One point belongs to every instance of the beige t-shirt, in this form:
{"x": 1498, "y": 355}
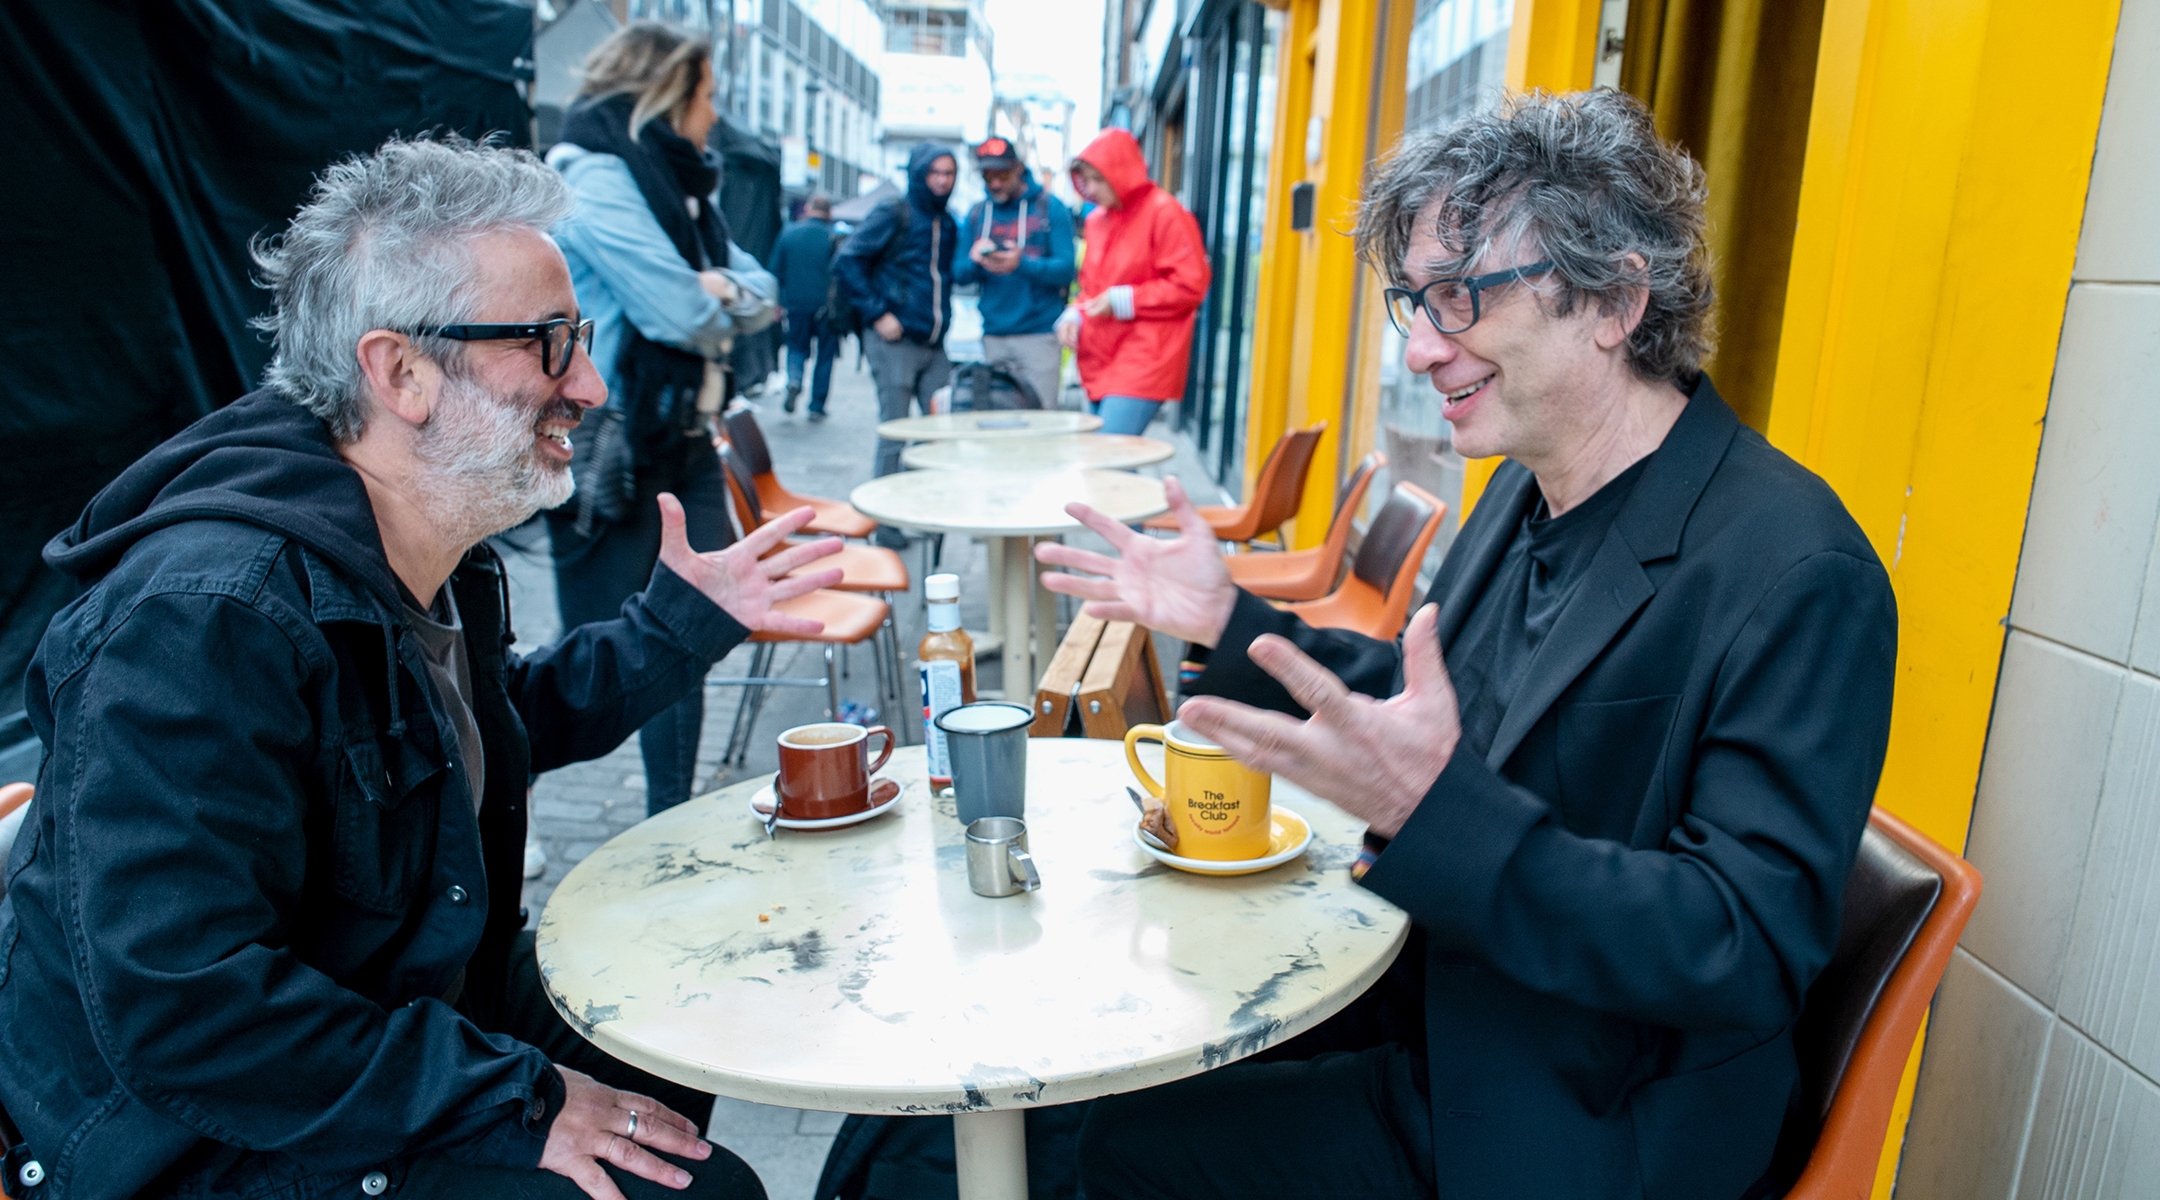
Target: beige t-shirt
{"x": 442, "y": 647}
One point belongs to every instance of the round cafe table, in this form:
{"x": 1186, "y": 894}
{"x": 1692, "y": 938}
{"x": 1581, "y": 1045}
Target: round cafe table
{"x": 1060, "y": 452}
{"x": 1001, "y": 424}
{"x": 853, "y": 970}
{"x": 1009, "y": 509}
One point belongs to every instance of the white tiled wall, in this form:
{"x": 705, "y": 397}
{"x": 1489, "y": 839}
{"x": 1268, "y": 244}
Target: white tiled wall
{"x": 2041, "y": 1079}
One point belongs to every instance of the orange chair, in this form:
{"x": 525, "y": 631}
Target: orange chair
{"x": 1906, "y": 903}
{"x": 833, "y": 516}
{"x": 849, "y": 620}
{"x": 1275, "y": 495}
{"x": 1374, "y": 598}
{"x": 1308, "y": 574}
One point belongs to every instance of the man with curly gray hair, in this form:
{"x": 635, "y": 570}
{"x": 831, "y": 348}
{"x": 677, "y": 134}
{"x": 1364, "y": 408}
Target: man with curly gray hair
{"x": 1616, "y": 769}
{"x": 262, "y": 936}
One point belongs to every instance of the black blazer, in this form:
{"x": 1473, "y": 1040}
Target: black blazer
{"x": 1624, "y": 902}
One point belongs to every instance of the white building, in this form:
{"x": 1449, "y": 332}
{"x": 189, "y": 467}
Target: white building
{"x": 939, "y": 84}
{"x": 804, "y": 75}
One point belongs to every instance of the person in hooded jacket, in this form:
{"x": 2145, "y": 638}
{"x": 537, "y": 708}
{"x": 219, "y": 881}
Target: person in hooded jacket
{"x": 668, "y": 292}
{"x": 1144, "y": 277}
{"x": 897, "y": 272}
{"x": 1020, "y": 250}
{"x": 262, "y": 935}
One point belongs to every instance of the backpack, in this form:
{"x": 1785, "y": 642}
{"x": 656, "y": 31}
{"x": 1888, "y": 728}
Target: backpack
{"x": 981, "y": 387}
{"x": 840, "y": 315}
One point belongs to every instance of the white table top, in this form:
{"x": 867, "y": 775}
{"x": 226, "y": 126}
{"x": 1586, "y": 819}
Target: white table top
{"x": 881, "y": 983}
{"x": 1106, "y": 451}
{"x": 977, "y": 426}
{"x": 1005, "y": 503}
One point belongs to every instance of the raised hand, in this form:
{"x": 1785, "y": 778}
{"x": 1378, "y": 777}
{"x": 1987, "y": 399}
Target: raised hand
{"x": 1179, "y": 587}
{"x": 739, "y": 580}
{"x": 1374, "y": 759}
{"x": 596, "y": 1125}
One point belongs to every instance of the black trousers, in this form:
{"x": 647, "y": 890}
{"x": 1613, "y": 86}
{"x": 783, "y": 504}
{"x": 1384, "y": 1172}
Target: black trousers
{"x": 594, "y": 575}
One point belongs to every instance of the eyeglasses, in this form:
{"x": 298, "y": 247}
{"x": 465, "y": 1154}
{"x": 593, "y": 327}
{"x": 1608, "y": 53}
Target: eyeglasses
{"x": 555, "y": 338}
{"x": 1452, "y": 304}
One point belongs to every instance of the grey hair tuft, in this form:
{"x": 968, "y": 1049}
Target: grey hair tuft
{"x": 384, "y": 243}
{"x": 1581, "y": 179}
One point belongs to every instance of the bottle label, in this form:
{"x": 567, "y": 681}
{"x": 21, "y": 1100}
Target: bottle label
{"x": 940, "y": 695}
{"x": 943, "y": 616}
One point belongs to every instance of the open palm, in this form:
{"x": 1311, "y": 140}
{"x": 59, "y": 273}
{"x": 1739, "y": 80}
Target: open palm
{"x": 739, "y": 580}
{"x": 1178, "y": 586}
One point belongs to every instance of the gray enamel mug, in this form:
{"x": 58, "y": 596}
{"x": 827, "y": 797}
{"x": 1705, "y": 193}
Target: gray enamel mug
{"x": 987, "y": 744}
{"x": 998, "y": 862}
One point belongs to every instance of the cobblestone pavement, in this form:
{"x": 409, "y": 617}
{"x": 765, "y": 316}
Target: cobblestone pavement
{"x": 577, "y": 808}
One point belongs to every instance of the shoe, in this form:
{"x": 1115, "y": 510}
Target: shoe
{"x": 794, "y": 390}
{"x": 815, "y": 415}
{"x": 535, "y": 856}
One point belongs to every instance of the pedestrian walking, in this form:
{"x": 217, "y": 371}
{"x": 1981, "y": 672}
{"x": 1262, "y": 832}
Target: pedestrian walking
{"x": 802, "y": 261}
{"x": 668, "y": 292}
{"x": 1020, "y": 250}
{"x": 1145, "y": 275}
{"x": 896, "y": 269}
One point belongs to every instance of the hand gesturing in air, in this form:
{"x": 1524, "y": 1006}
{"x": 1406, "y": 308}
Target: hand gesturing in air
{"x": 740, "y": 581}
{"x": 1178, "y": 586}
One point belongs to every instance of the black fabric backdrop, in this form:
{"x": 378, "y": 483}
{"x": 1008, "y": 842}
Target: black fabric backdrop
{"x": 151, "y": 140}
{"x": 750, "y": 195}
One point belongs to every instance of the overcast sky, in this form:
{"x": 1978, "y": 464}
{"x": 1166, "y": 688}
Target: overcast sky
{"x": 1058, "y": 38}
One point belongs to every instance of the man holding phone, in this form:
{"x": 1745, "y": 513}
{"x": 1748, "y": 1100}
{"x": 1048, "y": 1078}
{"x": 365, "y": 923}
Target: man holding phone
{"x": 1019, "y": 245}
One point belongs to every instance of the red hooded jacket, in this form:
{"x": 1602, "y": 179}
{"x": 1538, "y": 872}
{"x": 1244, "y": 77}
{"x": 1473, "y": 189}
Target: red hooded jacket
{"x": 1151, "y": 243}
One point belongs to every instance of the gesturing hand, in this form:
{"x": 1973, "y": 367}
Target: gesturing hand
{"x": 1097, "y": 306}
{"x": 740, "y": 581}
{"x": 599, "y": 1124}
{"x": 1372, "y": 758}
{"x": 1179, "y": 587}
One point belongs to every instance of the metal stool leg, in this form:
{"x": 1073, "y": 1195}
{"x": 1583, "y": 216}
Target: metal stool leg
{"x": 832, "y": 686}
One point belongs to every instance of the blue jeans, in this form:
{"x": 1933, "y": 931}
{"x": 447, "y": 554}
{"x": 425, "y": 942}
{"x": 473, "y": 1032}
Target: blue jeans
{"x": 805, "y": 325}
{"x": 1124, "y": 414}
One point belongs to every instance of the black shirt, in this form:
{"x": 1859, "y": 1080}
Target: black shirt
{"x": 1547, "y": 557}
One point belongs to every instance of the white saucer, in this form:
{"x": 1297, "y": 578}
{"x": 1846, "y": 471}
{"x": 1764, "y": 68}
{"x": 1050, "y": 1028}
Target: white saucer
{"x": 1291, "y": 834}
{"x": 764, "y": 797}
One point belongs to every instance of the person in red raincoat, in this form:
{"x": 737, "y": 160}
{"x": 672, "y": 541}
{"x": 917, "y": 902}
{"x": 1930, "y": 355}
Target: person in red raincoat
{"x": 1145, "y": 274}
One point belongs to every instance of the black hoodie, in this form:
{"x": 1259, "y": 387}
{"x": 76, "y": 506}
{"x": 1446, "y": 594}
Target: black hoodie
{"x": 252, "y": 873}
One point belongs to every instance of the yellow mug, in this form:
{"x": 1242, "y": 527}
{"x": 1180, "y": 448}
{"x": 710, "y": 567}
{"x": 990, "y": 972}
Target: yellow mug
{"x": 1218, "y": 805}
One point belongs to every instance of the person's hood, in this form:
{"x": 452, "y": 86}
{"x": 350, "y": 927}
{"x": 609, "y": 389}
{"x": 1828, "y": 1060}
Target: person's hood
{"x": 263, "y": 460}
{"x": 1117, "y": 155}
{"x": 918, "y": 176}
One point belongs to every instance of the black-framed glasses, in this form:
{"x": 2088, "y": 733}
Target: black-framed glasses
{"x": 1453, "y": 303}
{"x": 555, "y": 338}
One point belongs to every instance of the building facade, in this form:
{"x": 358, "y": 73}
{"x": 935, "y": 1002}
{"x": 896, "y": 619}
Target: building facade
{"x": 940, "y": 82}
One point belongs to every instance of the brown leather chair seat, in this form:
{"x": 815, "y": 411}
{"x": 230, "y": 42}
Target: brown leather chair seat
{"x": 1375, "y": 598}
{"x": 1308, "y": 574}
{"x": 833, "y": 516}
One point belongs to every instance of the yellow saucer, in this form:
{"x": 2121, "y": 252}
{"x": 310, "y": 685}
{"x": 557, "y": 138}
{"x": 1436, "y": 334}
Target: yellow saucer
{"x": 1288, "y": 835}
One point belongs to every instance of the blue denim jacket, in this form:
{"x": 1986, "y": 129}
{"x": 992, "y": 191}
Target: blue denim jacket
{"x": 253, "y": 920}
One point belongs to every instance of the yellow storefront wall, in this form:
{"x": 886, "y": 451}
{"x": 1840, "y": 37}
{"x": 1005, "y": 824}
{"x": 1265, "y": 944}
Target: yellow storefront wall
{"x": 1938, "y": 207}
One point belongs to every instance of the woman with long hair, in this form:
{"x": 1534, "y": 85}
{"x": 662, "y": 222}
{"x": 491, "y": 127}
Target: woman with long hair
{"x": 668, "y": 292}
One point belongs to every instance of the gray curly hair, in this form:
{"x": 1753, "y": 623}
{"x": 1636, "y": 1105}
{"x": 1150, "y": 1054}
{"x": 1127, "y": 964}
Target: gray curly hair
{"x": 384, "y": 243}
{"x": 1581, "y": 179}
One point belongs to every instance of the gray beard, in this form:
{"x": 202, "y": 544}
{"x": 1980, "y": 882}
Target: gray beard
{"x": 480, "y": 469}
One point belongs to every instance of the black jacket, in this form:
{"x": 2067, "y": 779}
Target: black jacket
{"x": 911, "y": 278}
{"x": 802, "y": 260}
{"x": 1624, "y": 902}
{"x": 253, "y": 871}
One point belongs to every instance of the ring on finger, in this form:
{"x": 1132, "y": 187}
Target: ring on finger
{"x": 632, "y": 1134}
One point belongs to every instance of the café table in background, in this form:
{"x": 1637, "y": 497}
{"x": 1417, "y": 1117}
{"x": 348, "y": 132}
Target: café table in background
{"x": 1051, "y": 452}
{"x": 996, "y": 424}
{"x": 1010, "y": 510}
{"x": 852, "y": 970}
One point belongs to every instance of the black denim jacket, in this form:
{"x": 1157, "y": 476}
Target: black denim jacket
{"x": 253, "y": 870}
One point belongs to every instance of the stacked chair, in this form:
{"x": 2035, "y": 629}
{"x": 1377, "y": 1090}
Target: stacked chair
{"x": 1308, "y": 574}
{"x": 1275, "y": 494}
{"x": 1375, "y": 596}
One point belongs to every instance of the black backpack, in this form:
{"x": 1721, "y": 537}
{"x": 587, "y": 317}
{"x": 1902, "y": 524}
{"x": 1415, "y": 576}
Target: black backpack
{"x": 840, "y": 315}
{"x": 981, "y": 387}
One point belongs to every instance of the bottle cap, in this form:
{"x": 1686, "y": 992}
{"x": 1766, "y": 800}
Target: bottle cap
{"x": 941, "y": 587}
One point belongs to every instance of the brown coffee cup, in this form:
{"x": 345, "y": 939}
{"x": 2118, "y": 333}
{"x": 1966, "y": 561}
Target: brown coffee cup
{"x": 825, "y": 770}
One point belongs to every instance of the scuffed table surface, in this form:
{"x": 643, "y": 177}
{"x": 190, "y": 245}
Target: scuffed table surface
{"x": 1006, "y": 503}
{"x": 1104, "y": 451}
{"x": 881, "y": 983}
{"x": 997, "y": 423}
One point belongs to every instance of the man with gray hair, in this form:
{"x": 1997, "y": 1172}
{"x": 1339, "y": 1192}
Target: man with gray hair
{"x": 262, "y": 935}
{"x": 1616, "y": 769}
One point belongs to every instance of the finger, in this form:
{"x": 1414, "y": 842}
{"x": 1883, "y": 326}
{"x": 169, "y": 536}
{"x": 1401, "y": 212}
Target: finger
{"x": 796, "y": 557}
{"x": 1074, "y": 558}
{"x": 673, "y": 539}
{"x": 645, "y": 1164}
{"x": 1189, "y": 521}
{"x": 803, "y": 585}
{"x": 1424, "y": 669}
{"x": 594, "y": 1181}
{"x": 1119, "y": 537}
{"x": 777, "y": 530}
{"x": 1110, "y": 610}
{"x": 652, "y": 1112}
{"x": 789, "y": 623}
{"x": 1080, "y": 585}
{"x": 1265, "y": 741}
{"x": 1310, "y": 684}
